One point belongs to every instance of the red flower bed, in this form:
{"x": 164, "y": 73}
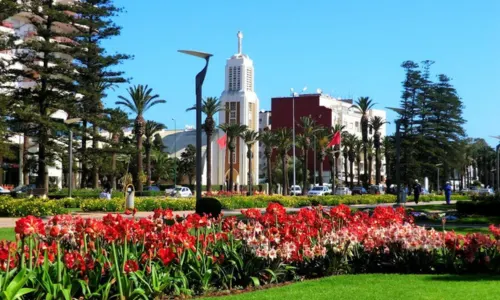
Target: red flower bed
{"x": 161, "y": 255}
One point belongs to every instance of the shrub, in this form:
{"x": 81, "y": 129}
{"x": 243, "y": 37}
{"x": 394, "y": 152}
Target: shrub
{"x": 485, "y": 208}
{"x": 31, "y": 206}
{"x": 112, "y": 205}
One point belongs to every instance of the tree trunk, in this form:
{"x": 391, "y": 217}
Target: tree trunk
{"x": 365, "y": 164}
{"x": 351, "y": 175}
{"x": 269, "y": 179}
{"x": 230, "y": 185}
{"x": 370, "y": 163}
{"x": 304, "y": 171}
{"x": 26, "y": 173}
{"x": 359, "y": 171}
{"x": 209, "y": 162}
{"x": 148, "y": 165}
{"x": 95, "y": 167}
{"x": 285, "y": 174}
{"x": 41, "y": 180}
{"x": 320, "y": 171}
{"x": 250, "y": 173}
{"x": 139, "y": 162}
{"x": 345, "y": 170}
{"x": 1, "y": 169}
{"x": 83, "y": 179}
{"x": 377, "y": 165}
{"x": 113, "y": 171}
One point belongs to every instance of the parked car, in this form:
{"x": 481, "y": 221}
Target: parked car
{"x": 22, "y": 189}
{"x": 342, "y": 191}
{"x": 358, "y": 190}
{"x": 295, "y": 190}
{"x": 319, "y": 191}
{"x": 485, "y": 191}
{"x": 4, "y": 191}
{"x": 375, "y": 189}
{"x": 181, "y": 191}
{"x": 152, "y": 188}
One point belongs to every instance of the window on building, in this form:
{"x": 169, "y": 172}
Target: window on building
{"x": 230, "y": 78}
{"x": 260, "y": 120}
{"x": 238, "y": 79}
{"x": 232, "y": 113}
{"x": 249, "y": 79}
{"x": 350, "y": 125}
{"x": 269, "y": 120}
{"x": 250, "y": 113}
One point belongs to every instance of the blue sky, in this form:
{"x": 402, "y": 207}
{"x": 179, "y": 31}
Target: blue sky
{"x": 346, "y": 48}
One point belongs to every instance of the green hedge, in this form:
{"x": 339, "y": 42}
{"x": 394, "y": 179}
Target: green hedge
{"x": 485, "y": 208}
{"x": 36, "y": 207}
{"x": 83, "y": 193}
{"x": 495, "y": 197}
{"x": 237, "y": 202}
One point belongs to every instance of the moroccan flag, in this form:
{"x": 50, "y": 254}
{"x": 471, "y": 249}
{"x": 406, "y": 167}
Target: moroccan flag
{"x": 335, "y": 140}
{"x": 222, "y": 141}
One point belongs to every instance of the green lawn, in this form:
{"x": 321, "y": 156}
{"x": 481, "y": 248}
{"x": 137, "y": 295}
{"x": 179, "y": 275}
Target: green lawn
{"x": 7, "y": 234}
{"x": 384, "y": 287}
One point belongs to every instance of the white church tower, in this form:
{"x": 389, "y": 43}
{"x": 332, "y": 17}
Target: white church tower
{"x": 242, "y": 108}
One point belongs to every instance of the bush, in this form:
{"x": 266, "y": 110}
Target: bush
{"x": 82, "y": 193}
{"x": 112, "y": 205}
{"x": 32, "y": 206}
{"x": 485, "y": 208}
{"x": 495, "y": 197}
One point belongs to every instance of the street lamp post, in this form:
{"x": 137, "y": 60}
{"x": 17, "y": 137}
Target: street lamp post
{"x": 438, "y": 182}
{"x": 200, "y": 78}
{"x": 293, "y": 132}
{"x": 175, "y": 152}
{"x": 70, "y": 150}
{"x": 498, "y": 163}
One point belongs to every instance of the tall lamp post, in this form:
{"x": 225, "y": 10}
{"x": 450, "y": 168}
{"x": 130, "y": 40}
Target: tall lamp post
{"x": 438, "y": 186}
{"x": 498, "y": 163}
{"x": 70, "y": 150}
{"x": 175, "y": 152}
{"x": 294, "y": 94}
{"x": 200, "y": 78}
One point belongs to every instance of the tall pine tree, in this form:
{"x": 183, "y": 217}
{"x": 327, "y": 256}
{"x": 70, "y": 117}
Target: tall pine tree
{"x": 96, "y": 74}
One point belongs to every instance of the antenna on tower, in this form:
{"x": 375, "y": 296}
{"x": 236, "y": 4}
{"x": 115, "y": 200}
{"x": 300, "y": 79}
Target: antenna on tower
{"x": 240, "y": 38}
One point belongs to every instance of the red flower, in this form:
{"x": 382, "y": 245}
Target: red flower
{"x": 166, "y": 255}
{"x": 30, "y": 225}
{"x": 55, "y": 231}
{"x": 128, "y": 212}
{"x": 130, "y": 266}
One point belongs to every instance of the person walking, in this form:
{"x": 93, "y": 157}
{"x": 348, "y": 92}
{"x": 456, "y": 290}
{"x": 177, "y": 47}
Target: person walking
{"x": 417, "y": 189}
{"x": 447, "y": 192}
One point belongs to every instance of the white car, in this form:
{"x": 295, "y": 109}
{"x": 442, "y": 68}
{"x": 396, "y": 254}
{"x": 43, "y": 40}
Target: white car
{"x": 295, "y": 190}
{"x": 342, "y": 191}
{"x": 319, "y": 191}
{"x": 181, "y": 191}
{"x": 4, "y": 191}
{"x": 485, "y": 191}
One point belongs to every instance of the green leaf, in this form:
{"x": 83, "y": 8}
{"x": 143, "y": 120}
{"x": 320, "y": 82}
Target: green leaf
{"x": 255, "y": 280}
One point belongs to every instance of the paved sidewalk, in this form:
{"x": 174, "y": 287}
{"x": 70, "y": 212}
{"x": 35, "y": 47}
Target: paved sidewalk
{"x": 11, "y": 222}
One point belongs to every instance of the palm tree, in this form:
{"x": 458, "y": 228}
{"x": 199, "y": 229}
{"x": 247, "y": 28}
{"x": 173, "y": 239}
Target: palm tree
{"x": 337, "y": 128}
{"x": 118, "y": 120}
{"x": 233, "y": 132}
{"x": 210, "y": 107}
{"x": 364, "y": 105}
{"x": 309, "y": 128}
{"x": 140, "y": 100}
{"x": 269, "y": 141}
{"x": 376, "y": 123}
{"x": 358, "y": 146}
{"x": 369, "y": 151}
{"x": 151, "y": 129}
{"x": 250, "y": 137}
{"x": 283, "y": 138}
{"x": 350, "y": 144}
{"x": 345, "y": 153}
{"x": 322, "y": 139}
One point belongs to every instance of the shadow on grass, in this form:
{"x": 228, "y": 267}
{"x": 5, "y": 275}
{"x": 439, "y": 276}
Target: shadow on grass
{"x": 464, "y": 278}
